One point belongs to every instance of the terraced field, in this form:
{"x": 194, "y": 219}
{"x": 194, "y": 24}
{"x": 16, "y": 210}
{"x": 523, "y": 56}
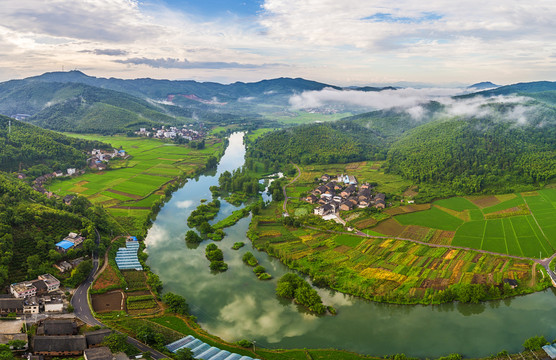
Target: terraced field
{"x": 383, "y": 269}
{"x": 131, "y": 187}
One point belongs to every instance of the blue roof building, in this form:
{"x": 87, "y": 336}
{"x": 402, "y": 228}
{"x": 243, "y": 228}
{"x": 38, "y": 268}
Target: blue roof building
{"x": 64, "y": 245}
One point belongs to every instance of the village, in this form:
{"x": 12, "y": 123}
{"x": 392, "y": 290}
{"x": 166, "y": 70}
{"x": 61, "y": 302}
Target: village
{"x": 172, "y": 132}
{"x": 342, "y": 193}
{"x": 39, "y": 312}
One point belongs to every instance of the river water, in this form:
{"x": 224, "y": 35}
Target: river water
{"x": 236, "y": 305}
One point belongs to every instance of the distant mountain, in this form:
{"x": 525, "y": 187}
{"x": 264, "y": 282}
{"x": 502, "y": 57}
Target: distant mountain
{"x": 520, "y": 88}
{"x": 78, "y": 107}
{"x": 161, "y": 89}
{"x": 482, "y": 86}
{"x": 370, "y": 88}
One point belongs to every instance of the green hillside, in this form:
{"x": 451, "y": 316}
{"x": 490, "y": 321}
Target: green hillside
{"x": 31, "y": 225}
{"x": 476, "y": 154}
{"x": 79, "y": 107}
{"x": 37, "y": 151}
{"x": 336, "y": 142}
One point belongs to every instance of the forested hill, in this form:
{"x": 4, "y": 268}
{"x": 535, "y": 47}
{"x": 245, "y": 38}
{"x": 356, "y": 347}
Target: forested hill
{"x": 78, "y": 107}
{"x": 475, "y": 154}
{"x": 337, "y": 142}
{"x": 510, "y": 146}
{"x": 37, "y": 151}
{"x": 30, "y": 225}
{"x": 393, "y": 123}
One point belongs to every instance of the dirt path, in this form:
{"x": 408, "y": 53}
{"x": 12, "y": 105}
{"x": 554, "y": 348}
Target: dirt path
{"x": 284, "y": 206}
{"x": 105, "y": 264}
{"x": 533, "y": 275}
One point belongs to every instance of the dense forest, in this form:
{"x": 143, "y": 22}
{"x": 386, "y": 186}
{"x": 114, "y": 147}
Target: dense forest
{"x": 476, "y": 154}
{"x": 337, "y": 142}
{"x": 36, "y": 151}
{"x": 493, "y": 152}
{"x": 30, "y": 225}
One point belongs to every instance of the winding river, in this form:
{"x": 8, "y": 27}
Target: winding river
{"x": 236, "y": 305}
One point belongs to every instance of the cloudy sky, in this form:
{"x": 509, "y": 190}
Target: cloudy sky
{"x": 348, "y": 42}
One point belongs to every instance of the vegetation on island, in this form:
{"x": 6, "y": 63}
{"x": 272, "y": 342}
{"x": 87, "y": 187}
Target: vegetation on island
{"x": 238, "y": 245}
{"x": 216, "y": 258}
{"x": 294, "y": 287}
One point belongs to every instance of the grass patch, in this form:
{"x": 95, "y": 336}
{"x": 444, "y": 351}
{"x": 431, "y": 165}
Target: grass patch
{"x": 433, "y": 218}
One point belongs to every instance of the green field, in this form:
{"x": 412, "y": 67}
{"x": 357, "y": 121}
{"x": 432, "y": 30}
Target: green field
{"x": 132, "y": 185}
{"x": 530, "y": 235}
{"x": 456, "y": 204}
{"x": 433, "y": 218}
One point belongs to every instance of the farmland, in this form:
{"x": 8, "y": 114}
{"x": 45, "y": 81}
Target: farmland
{"x": 133, "y": 185}
{"x": 513, "y": 224}
{"x": 520, "y": 224}
{"x": 385, "y": 269}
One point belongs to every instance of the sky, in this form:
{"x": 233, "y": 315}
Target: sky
{"x": 347, "y": 42}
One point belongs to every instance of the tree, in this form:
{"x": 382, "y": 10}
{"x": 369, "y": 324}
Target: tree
{"x": 116, "y": 342}
{"x": 192, "y": 237}
{"x": 17, "y": 344}
{"x": 89, "y": 245}
{"x": 6, "y": 353}
{"x": 176, "y": 303}
{"x": 184, "y": 354}
{"x": 535, "y": 343}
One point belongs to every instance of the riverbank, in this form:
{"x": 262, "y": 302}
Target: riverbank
{"x": 134, "y": 189}
{"x": 236, "y": 305}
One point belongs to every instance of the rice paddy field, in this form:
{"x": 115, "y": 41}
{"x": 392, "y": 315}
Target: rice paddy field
{"x": 129, "y": 189}
{"x": 522, "y": 224}
{"x": 515, "y": 224}
{"x": 384, "y": 269}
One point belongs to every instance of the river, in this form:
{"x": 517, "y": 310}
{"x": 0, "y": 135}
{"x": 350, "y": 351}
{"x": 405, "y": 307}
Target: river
{"x": 236, "y": 305}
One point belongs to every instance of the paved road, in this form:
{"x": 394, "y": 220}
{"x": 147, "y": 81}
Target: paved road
{"x": 83, "y": 311}
{"x": 284, "y": 206}
{"x": 79, "y": 299}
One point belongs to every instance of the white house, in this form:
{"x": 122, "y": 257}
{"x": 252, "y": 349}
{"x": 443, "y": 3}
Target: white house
{"x": 71, "y": 171}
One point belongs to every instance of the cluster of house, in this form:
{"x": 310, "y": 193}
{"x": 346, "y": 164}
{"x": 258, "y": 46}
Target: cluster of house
{"x": 59, "y": 337}
{"x": 342, "y": 193}
{"x": 100, "y": 157}
{"x": 172, "y": 132}
{"x": 72, "y": 241}
{"x": 55, "y": 337}
{"x": 32, "y": 297}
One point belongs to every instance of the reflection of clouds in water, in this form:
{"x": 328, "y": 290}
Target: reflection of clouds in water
{"x": 185, "y": 204}
{"x": 157, "y": 234}
{"x": 334, "y": 298}
{"x": 253, "y": 318}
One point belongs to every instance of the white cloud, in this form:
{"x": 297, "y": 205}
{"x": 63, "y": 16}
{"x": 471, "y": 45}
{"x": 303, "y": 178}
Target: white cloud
{"x": 346, "y": 42}
{"x": 386, "y": 99}
{"x": 411, "y": 101}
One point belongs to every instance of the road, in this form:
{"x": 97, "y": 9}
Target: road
{"x": 82, "y": 310}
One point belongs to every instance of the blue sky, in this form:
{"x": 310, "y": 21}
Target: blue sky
{"x": 348, "y": 42}
{"x": 211, "y": 8}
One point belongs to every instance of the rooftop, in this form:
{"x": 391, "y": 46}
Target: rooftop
{"x": 65, "y": 244}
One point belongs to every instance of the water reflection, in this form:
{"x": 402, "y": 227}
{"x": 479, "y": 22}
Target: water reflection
{"x": 236, "y": 305}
